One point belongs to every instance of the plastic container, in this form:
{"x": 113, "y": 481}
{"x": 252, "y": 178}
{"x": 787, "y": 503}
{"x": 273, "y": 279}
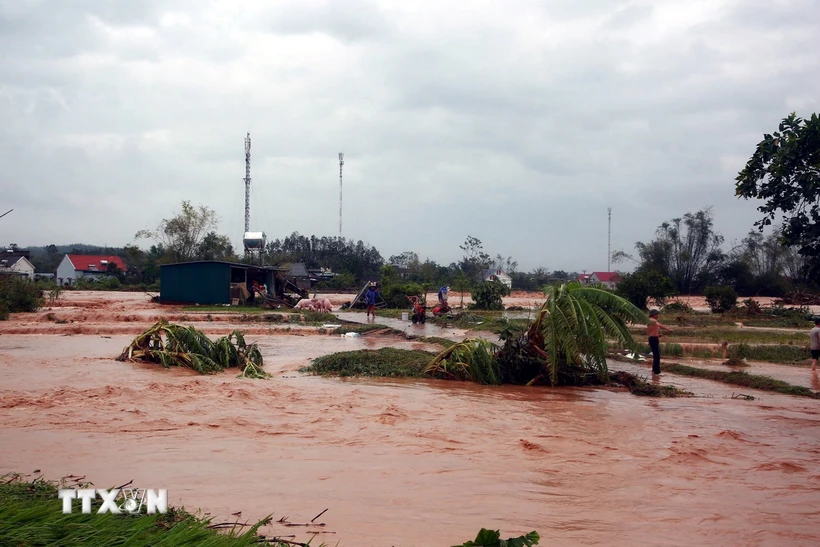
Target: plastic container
{"x": 405, "y": 316}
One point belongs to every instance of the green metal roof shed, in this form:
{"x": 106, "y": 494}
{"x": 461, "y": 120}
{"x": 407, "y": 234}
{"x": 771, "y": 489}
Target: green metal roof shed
{"x": 208, "y": 281}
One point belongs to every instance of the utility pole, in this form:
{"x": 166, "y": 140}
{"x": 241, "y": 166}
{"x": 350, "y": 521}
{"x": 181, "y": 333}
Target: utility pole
{"x": 341, "y": 163}
{"x": 609, "y": 239}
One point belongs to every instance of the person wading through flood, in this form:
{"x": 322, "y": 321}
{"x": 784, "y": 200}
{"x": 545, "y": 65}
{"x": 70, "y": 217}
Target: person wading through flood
{"x": 370, "y": 300}
{"x": 814, "y": 336}
{"x": 653, "y": 331}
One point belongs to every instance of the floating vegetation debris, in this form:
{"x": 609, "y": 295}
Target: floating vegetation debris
{"x": 174, "y": 345}
{"x": 384, "y": 362}
{"x": 642, "y": 388}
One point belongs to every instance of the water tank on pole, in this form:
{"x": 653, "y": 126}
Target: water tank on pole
{"x": 254, "y": 240}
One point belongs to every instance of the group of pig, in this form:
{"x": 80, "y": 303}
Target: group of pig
{"x": 314, "y": 304}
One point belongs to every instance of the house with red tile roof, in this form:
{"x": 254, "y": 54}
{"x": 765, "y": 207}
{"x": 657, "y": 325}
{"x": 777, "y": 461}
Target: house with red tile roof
{"x": 74, "y": 266}
{"x": 607, "y": 279}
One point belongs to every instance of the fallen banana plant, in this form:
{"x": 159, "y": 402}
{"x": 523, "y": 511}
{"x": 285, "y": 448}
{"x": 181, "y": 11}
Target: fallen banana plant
{"x": 174, "y": 345}
{"x": 472, "y": 360}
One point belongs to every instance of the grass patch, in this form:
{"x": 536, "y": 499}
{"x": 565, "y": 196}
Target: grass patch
{"x": 734, "y": 335}
{"x": 361, "y": 329}
{"x": 483, "y": 321}
{"x": 737, "y": 378}
{"x": 641, "y": 388}
{"x": 770, "y": 353}
{"x": 31, "y": 515}
{"x": 444, "y": 342}
{"x": 700, "y": 319}
{"x": 384, "y": 362}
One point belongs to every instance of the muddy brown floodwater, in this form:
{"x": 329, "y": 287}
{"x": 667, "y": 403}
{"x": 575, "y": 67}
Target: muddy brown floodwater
{"x": 407, "y": 462}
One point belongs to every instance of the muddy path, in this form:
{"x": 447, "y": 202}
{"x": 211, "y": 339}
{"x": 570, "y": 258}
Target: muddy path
{"x": 415, "y": 462}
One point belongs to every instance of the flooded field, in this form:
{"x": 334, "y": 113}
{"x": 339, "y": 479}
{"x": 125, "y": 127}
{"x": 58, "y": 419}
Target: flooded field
{"x": 404, "y": 462}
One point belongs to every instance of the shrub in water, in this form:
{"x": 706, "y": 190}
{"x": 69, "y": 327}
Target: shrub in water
{"x": 720, "y": 299}
{"x": 488, "y": 295}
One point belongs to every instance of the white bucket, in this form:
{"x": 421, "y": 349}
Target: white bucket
{"x": 405, "y": 316}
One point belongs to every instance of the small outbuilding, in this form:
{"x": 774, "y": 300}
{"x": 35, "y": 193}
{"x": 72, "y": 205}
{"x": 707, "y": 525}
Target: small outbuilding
{"x": 218, "y": 282}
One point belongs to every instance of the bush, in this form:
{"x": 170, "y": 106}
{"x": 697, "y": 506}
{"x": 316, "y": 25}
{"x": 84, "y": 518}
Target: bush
{"x": 395, "y": 296}
{"x": 678, "y": 306}
{"x": 720, "y": 299}
{"x": 639, "y": 287}
{"x": 488, "y": 295}
{"x": 18, "y": 294}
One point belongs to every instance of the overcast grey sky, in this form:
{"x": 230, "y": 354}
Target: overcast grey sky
{"x": 517, "y": 122}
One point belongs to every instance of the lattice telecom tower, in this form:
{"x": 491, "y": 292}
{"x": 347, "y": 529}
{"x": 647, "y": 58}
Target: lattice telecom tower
{"x": 248, "y": 182}
{"x": 254, "y": 242}
{"x": 341, "y": 163}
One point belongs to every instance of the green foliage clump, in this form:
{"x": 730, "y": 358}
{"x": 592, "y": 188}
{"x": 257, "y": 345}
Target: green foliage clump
{"x": 567, "y": 344}
{"x": 384, "y": 362}
{"x": 492, "y": 538}
{"x": 18, "y": 294}
{"x": 395, "y": 296}
{"x": 488, "y": 295}
{"x": 344, "y": 280}
{"x": 678, "y": 306}
{"x": 188, "y": 347}
{"x": 472, "y": 360}
{"x": 769, "y": 353}
{"x": 670, "y": 350}
{"x": 641, "y": 388}
{"x": 720, "y": 299}
{"x": 640, "y": 287}
{"x": 31, "y": 515}
{"x": 783, "y": 173}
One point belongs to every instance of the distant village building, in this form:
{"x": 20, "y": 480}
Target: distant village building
{"x": 298, "y": 272}
{"x": 496, "y": 275}
{"x": 16, "y": 265}
{"x": 74, "y": 266}
{"x": 607, "y": 279}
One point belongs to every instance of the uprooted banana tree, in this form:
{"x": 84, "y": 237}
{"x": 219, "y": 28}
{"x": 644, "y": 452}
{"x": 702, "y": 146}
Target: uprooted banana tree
{"x": 175, "y": 345}
{"x": 565, "y": 345}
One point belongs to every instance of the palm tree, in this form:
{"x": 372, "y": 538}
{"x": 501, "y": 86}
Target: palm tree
{"x": 572, "y": 330}
{"x": 566, "y": 344}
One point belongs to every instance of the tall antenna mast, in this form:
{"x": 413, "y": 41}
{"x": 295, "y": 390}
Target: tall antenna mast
{"x": 609, "y": 238}
{"x": 248, "y": 183}
{"x": 341, "y": 163}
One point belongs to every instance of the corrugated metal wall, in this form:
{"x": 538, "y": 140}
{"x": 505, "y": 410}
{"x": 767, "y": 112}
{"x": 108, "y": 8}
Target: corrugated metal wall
{"x": 196, "y": 283}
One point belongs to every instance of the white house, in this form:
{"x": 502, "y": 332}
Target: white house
{"x": 73, "y": 267}
{"x": 19, "y": 265}
{"x": 496, "y": 275}
{"x": 607, "y": 279}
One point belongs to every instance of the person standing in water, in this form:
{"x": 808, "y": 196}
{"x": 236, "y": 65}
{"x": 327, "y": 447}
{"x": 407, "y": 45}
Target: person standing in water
{"x": 653, "y": 331}
{"x": 814, "y": 336}
{"x": 370, "y": 300}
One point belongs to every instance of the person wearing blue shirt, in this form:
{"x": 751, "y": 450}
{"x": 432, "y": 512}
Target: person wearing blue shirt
{"x": 442, "y": 295}
{"x": 370, "y": 300}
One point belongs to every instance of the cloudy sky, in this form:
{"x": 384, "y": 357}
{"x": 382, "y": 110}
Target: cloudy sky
{"x": 516, "y": 122}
